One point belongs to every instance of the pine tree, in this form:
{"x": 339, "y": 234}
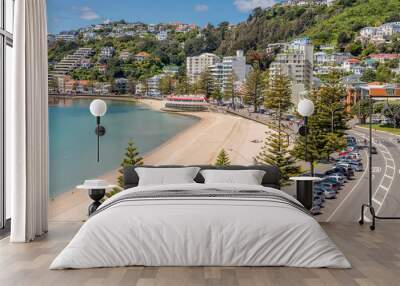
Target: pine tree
{"x": 276, "y": 151}
{"x": 132, "y": 158}
{"x": 183, "y": 85}
{"x": 217, "y": 94}
{"x": 326, "y": 126}
{"x": 222, "y": 159}
{"x": 229, "y": 89}
{"x": 253, "y": 87}
{"x": 206, "y": 83}
{"x": 167, "y": 85}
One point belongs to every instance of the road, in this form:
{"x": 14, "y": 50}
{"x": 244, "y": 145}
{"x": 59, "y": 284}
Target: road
{"x": 385, "y": 183}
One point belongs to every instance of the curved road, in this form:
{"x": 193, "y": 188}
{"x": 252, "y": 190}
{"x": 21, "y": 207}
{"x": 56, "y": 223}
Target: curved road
{"x": 385, "y": 183}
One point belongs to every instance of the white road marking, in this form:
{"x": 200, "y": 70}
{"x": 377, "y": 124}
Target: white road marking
{"x": 376, "y": 201}
{"x": 351, "y": 191}
{"x": 383, "y": 187}
{"x": 385, "y": 190}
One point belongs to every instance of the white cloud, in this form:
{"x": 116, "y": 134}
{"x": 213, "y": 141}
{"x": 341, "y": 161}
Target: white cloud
{"x": 201, "y": 8}
{"x": 86, "y": 13}
{"x": 249, "y": 5}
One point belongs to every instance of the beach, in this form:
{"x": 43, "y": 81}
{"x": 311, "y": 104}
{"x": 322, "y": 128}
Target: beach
{"x": 199, "y": 144}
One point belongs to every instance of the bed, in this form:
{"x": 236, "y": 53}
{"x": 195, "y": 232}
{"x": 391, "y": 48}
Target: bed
{"x": 201, "y": 224}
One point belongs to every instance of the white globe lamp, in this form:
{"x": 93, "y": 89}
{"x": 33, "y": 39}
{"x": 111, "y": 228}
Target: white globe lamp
{"x": 98, "y": 109}
{"x": 305, "y": 108}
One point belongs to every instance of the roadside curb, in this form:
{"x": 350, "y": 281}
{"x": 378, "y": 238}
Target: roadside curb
{"x": 384, "y": 132}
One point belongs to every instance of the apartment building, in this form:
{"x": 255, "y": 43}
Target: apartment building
{"x": 107, "y": 52}
{"x": 162, "y": 35}
{"x": 296, "y": 62}
{"x": 125, "y": 56}
{"x": 70, "y": 62}
{"x": 379, "y": 34}
{"x": 196, "y": 65}
{"x": 153, "y": 86}
{"x": 235, "y": 65}
{"x": 65, "y": 37}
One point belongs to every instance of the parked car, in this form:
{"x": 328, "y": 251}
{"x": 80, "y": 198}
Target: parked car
{"x": 329, "y": 185}
{"x": 337, "y": 178}
{"x": 345, "y": 165}
{"x": 334, "y": 181}
{"x": 329, "y": 195}
{"x": 357, "y": 166}
{"x": 340, "y": 170}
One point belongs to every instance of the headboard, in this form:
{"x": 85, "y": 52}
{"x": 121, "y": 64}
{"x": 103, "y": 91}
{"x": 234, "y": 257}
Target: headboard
{"x": 270, "y": 179}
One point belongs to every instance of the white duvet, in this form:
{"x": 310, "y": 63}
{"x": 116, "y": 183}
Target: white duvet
{"x": 200, "y": 232}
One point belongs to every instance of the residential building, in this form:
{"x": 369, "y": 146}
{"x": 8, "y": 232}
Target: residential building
{"x": 102, "y": 68}
{"x": 172, "y": 70}
{"x": 153, "y": 86}
{"x": 121, "y": 85}
{"x": 384, "y": 58}
{"x": 379, "y": 34}
{"x": 296, "y": 62}
{"x": 196, "y": 65}
{"x": 70, "y": 62}
{"x": 87, "y": 36}
{"x": 235, "y": 65}
{"x": 151, "y": 28}
{"x": 351, "y": 64}
{"x": 86, "y": 63}
{"x": 125, "y": 56}
{"x": 107, "y": 52}
{"x": 378, "y": 89}
{"x": 320, "y": 58}
{"x": 65, "y": 37}
{"x": 141, "y": 56}
{"x": 162, "y": 35}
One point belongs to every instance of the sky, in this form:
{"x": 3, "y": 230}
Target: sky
{"x": 66, "y": 15}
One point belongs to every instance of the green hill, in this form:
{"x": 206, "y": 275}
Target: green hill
{"x": 325, "y": 25}
{"x": 349, "y": 20}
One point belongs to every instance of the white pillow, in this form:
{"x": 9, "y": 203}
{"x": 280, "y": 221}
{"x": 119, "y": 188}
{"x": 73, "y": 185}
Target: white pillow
{"x": 245, "y": 177}
{"x": 166, "y": 176}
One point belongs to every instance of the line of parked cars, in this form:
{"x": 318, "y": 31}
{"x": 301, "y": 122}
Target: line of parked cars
{"x": 346, "y": 164}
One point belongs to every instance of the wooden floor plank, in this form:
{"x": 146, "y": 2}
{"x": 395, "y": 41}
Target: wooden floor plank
{"x": 375, "y": 257}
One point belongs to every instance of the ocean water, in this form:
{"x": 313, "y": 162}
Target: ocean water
{"x": 73, "y": 140}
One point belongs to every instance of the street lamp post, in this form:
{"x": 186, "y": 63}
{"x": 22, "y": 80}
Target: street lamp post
{"x": 98, "y": 108}
{"x": 306, "y": 108}
{"x": 305, "y": 185}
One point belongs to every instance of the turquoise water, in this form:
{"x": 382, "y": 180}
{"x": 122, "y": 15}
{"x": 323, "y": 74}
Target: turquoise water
{"x": 73, "y": 141}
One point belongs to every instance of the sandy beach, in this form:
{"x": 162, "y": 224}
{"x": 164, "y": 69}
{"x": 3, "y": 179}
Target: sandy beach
{"x": 199, "y": 144}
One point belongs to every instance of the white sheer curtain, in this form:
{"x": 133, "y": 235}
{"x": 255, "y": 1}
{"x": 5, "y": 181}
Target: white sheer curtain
{"x": 27, "y": 123}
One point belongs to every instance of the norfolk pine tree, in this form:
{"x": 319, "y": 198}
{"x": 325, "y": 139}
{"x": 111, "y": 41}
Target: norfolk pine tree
{"x": 222, "y": 159}
{"x": 132, "y": 158}
{"x": 229, "y": 89}
{"x": 253, "y": 88}
{"x": 276, "y": 151}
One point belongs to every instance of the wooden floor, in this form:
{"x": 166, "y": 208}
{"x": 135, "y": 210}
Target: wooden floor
{"x": 375, "y": 257}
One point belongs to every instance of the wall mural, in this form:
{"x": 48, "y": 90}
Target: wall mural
{"x": 249, "y": 86}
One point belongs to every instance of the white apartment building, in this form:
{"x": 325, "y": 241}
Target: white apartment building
{"x": 153, "y": 86}
{"x": 107, "y": 52}
{"x": 162, "y": 35}
{"x": 296, "y": 62}
{"x": 125, "y": 55}
{"x": 230, "y": 65}
{"x": 196, "y": 65}
{"x": 380, "y": 34}
{"x": 65, "y": 37}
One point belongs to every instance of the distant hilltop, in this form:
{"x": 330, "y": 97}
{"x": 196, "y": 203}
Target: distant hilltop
{"x": 326, "y": 22}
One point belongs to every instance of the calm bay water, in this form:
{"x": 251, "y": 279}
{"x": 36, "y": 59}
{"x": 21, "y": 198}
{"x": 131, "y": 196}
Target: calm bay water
{"x": 73, "y": 141}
